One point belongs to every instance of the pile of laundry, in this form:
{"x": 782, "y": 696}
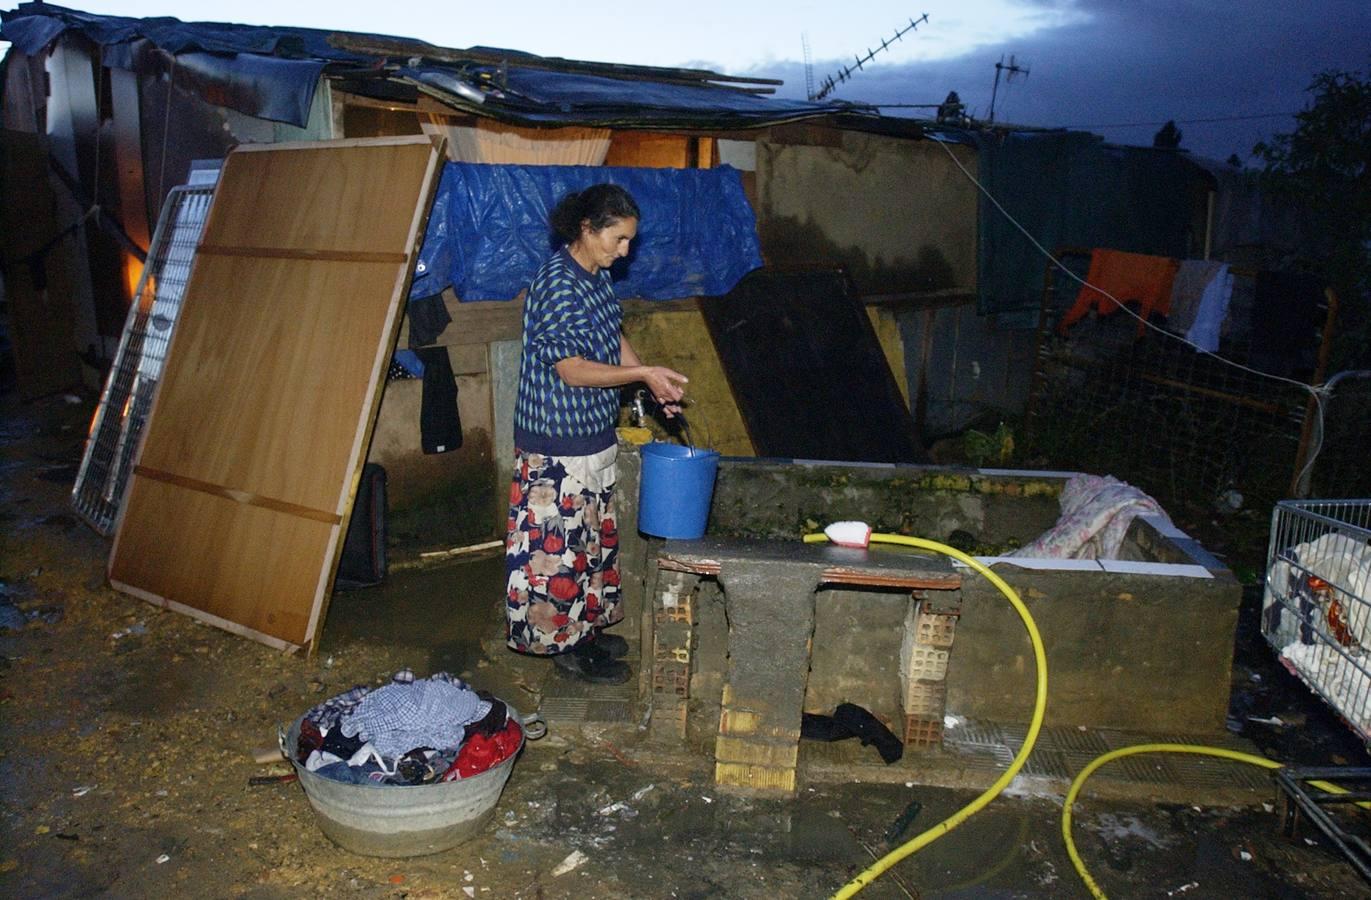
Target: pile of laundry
{"x": 1096, "y": 513}
{"x": 408, "y": 732}
{"x": 1317, "y": 609}
{"x": 1317, "y": 590}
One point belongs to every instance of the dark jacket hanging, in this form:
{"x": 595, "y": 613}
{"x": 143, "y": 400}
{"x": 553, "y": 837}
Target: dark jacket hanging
{"x": 440, "y": 425}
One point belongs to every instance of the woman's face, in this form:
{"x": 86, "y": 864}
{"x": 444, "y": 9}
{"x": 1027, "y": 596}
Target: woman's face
{"x": 609, "y": 243}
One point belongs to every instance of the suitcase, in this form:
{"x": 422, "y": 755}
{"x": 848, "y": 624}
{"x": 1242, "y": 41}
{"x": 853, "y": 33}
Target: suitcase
{"x": 363, "y": 561}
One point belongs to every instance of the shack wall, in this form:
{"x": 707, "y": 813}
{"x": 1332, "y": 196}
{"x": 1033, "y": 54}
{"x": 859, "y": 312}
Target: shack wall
{"x": 72, "y": 122}
{"x": 897, "y": 213}
{"x": 439, "y": 500}
{"x": 902, "y": 218}
{"x": 964, "y": 369}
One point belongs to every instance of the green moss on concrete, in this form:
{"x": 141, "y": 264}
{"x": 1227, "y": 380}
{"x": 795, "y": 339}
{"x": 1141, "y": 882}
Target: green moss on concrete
{"x": 784, "y": 501}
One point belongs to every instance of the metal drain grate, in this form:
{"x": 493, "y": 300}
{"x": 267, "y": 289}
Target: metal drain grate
{"x": 1215, "y": 773}
{"x": 572, "y": 702}
{"x": 579, "y": 710}
{"x": 1075, "y": 740}
{"x": 1062, "y": 752}
{"x": 1046, "y": 762}
{"x": 1144, "y": 769}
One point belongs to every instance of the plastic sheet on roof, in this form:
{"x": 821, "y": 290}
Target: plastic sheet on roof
{"x": 266, "y": 72}
{"x": 32, "y": 26}
{"x": 271, "y": 73}
{"x": 488, "y": 230}
{"x": 538, "y": 94}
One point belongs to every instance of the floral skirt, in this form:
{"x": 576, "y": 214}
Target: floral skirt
{"x": 562, "y": 552}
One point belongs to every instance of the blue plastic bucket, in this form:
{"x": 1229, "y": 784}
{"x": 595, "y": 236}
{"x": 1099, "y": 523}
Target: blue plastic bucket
{"x": 676, "y": 488}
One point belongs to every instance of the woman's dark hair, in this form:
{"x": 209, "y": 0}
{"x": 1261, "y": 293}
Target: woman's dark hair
{"x": 600, "y": 204}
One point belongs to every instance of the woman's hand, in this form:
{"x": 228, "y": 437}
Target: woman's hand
{"x": 667, "y": 387}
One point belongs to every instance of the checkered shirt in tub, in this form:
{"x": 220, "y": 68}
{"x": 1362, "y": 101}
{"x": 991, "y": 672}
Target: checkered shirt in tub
{"x": 328, "y": 714}
{"x": 400, "y": 717}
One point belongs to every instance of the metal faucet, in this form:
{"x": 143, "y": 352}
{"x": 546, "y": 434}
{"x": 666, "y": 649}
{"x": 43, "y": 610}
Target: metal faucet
{"x": 639, "y": 413}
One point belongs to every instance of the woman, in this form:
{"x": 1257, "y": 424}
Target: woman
{"x": 561, "y": 555}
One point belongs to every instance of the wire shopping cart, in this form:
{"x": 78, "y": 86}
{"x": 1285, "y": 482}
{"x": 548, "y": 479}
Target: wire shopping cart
{"x": 1316, "y": 610}
{"x": 1316, "y": 615}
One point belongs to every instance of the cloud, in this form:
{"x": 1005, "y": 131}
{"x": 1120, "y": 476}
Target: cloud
{"x": 1116, "y": 62}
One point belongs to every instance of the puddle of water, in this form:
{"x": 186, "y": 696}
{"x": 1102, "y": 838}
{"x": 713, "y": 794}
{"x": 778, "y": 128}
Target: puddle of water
{"x": 1119, "y": 828}
{"x": 446, "y": 610}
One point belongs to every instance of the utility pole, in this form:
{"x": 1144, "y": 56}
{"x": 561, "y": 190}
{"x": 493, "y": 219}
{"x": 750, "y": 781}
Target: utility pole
{"x": 1013, "y": 69}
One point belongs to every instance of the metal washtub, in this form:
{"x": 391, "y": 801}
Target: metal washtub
{"x": 406, "y": 820}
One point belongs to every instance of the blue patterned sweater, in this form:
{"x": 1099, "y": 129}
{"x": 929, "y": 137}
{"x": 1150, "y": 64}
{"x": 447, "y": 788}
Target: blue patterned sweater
{"x": 567, "y": 312}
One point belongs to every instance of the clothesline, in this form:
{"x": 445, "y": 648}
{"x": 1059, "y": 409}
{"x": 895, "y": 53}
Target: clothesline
{"x": 1194, "y": 296}
{"x": 1241, "y": 271}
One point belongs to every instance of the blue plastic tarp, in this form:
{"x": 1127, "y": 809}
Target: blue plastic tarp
{"x": 488, "y": 230}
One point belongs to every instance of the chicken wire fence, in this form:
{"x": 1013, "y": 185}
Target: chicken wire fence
{"x": 1316, "y": 608}
{"x": 117, "y": 425}
{"x": 1194, "y": 432}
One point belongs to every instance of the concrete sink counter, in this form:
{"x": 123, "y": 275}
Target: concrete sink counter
{"x": 1142, "y": 643}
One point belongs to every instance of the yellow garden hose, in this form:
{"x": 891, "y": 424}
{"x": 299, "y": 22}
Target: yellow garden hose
{"x": 1039, "y": 707}
{"x": 1195, "y": 749}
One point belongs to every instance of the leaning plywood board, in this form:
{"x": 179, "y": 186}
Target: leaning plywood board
{"x": 251, "y": 455}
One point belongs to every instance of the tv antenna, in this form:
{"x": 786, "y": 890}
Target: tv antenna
{"x": 809, "y": 66}
{"x": 846, "y": 72}
{"x": 1013, "y": 68}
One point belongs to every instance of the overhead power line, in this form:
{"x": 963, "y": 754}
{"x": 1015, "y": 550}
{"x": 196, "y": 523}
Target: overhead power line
{"x": 1156, "y": 124}
{"x": 1185, "y": 121}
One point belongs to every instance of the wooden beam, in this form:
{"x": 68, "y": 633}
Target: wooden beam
{"x": 476, "y": 322}
{"x": 449, "y": 115}
{"x": 842, "y": 565}
{"x": 647, "y": 307}
{"x": 342, "y": 97}
{"x": 251, "y": 499}
{"x": 834, "y": 575}
{"x": 487, "y": 321}
{"x": 303, "y": 253}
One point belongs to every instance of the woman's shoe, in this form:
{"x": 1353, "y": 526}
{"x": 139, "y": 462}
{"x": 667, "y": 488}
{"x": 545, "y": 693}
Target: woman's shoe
{"x": 610, "y": 645}
{"x": 589, "y": 665}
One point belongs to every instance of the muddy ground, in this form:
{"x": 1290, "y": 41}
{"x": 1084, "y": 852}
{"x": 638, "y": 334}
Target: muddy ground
{"x": 128, "y": 736}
